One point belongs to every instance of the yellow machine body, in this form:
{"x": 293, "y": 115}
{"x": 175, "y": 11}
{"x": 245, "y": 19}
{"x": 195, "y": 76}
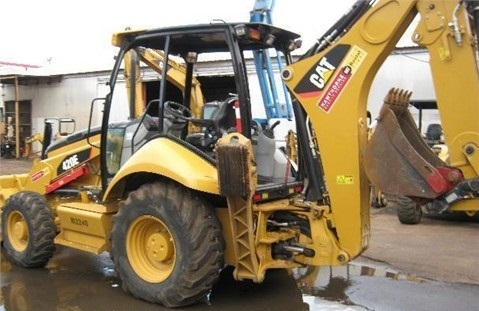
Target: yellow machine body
{"x": 167, "y": 190}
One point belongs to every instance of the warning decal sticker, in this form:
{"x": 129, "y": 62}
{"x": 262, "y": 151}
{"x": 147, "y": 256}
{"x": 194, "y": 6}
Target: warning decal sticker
{"x": 344, "y": 180}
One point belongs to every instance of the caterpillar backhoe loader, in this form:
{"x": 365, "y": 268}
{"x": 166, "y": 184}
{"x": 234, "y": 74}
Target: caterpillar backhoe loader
{"x": 173, "y": 206}
{"x": 62, "y": 127}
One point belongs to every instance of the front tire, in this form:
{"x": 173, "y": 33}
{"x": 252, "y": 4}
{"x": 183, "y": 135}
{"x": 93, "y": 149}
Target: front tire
{"x": 408, "y": 211}
{"x": 167, "y": 245}
{"x": 28, "y": 228}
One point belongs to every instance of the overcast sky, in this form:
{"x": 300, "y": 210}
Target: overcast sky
{"x": 78, "y": 33}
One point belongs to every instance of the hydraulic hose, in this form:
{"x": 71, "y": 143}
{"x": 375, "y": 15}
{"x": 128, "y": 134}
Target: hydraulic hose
{"x": 340, "y": 27}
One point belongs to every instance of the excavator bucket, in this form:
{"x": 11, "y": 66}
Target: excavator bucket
{"x": 398, "y": 161}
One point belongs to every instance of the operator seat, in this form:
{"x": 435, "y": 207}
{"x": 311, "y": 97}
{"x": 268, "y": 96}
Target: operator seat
{"x": 433, "y": 133}
{"x": 225, "y": 116}
{"x": 223, "y": 121}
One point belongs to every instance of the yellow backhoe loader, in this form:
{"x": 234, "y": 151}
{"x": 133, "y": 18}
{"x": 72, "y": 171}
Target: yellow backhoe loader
{"x": 63, "y": 127}
{"x": 174, "y": 206}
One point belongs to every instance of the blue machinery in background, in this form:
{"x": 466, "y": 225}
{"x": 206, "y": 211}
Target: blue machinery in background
{"x": 264, "y": 68}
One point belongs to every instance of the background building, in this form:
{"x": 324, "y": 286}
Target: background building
{"x": 41, "y": 94}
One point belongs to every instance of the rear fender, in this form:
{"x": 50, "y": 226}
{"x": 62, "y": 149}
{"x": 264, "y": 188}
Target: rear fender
{"x": 166, "y": 157}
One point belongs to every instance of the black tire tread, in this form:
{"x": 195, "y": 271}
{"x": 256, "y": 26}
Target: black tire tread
{"x": 408, "y": 212}
{"x": 199, "y": 226}
{"x": 41, "y": 226}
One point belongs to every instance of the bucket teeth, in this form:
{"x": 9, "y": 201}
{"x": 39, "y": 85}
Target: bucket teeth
{"x": 397, "y": 100}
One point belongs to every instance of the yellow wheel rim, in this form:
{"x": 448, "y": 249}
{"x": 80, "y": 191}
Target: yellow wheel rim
{"x": 17, "y": 230}
{"x": 150, "y": 249}
{"x": 19, "y": 297}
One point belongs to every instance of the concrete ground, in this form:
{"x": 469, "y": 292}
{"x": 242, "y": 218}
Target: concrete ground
{"x": 14, "y": 166}
{"x": 444, "y": 249}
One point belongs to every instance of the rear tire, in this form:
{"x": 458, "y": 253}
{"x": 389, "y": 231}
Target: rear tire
{"x": 408, "y": 211}
{"x": 28, "y": 229}
{"x": 167, "y": 245}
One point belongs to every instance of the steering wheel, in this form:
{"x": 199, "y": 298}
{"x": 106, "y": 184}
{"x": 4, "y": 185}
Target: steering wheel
{"x": 178, "y": 110}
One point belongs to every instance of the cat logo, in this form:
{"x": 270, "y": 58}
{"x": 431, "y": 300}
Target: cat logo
{"x": 323, "y": 71}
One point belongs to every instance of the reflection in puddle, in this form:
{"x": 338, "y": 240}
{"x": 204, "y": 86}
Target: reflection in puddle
{"x": 331, "y": 284}
{"x": 78, "y": 281}
{"x": 333, "y": 290}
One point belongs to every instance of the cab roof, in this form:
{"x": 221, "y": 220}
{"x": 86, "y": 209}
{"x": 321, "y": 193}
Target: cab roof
{"x": 205, "y": 37}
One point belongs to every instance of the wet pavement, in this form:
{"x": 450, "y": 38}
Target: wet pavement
{"x": 430, "y": 266}
{"x": 78, "y": 281}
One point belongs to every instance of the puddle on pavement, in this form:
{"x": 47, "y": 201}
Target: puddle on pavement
{"x": 76, "y": 281}
{"x": 331, "y": 284}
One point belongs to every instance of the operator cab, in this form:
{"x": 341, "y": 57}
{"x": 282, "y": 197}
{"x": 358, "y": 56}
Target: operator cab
{"x": 193, "y": 120}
